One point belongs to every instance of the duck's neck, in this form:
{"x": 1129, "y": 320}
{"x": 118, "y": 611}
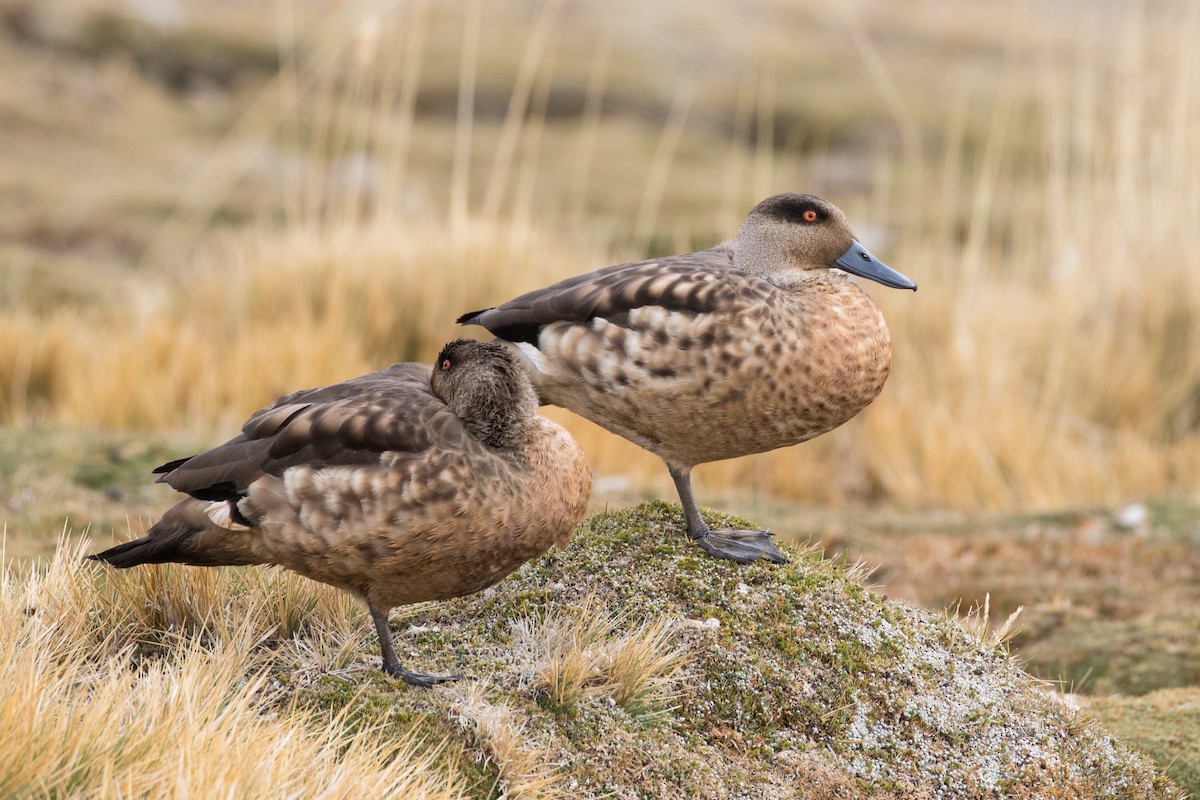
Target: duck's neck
{"x": 499, "y": 417}
{"x": 502, "y": 431}
{"x": 764, "y": 256}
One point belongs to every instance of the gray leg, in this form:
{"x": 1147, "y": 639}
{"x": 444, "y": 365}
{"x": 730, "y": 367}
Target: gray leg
{"x": 391, "y": 664}
{"x": 697, "y": 528}
{"x": 742, "y": 546}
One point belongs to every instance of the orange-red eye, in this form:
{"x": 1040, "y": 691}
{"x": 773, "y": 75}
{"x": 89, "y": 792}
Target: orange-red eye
{"x": 810, "y": 215}
{"x": 445, "y": 365}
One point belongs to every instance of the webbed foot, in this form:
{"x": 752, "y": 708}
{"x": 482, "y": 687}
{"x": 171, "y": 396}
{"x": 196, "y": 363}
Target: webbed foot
{"x": 391, "y": 664}
{"x": 424, "y": 679}
{"x": 742, "y": 546}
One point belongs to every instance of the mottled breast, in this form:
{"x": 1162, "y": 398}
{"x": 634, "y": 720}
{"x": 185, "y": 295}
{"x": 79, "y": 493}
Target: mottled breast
{"x": 773, "y": 368}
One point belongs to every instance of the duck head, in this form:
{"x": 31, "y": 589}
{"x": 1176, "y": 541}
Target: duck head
{"x": 787, "y": 234}
{"x": 484, "y": 385}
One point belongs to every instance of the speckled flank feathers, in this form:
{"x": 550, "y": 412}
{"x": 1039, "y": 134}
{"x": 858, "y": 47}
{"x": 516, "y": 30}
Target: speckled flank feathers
{"x": 395, "y": 486}
{"x": 758, "y": 343}
{"x": 759, "y": 380}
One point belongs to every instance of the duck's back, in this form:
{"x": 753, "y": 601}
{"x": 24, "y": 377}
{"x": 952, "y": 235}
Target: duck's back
{"x": 697, "y": 361}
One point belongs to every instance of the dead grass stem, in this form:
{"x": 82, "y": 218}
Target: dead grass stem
{"x": 586, "y": 652}
{"x": 88, "y": 713}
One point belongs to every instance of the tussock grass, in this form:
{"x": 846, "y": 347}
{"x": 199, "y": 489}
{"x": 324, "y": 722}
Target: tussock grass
{"x": 569, "y": 647}
{"x": 585, "y": 652}
{"x": 106, "y": 695}
{"x": 978, "y": 624}
{"x": 639, "y": 666}
{"x": 526, "y": 769}
{"x": 343, "y": 302}
{"x": 265, "y": 316}
{"x": 157, "y": 604}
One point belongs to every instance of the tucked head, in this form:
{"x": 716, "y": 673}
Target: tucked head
{"x": 484, "y": 385}
{"x": 790, "y": 233}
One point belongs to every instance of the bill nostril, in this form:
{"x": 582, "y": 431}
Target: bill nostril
{"x": 864, "y": 256}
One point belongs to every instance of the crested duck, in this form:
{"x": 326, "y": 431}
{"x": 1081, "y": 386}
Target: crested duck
{"x": 761, "y": 342}
{"x": 401, "y": 486}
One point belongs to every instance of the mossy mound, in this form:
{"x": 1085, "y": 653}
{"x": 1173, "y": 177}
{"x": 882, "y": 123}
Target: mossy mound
{"x": 797, "y": 682}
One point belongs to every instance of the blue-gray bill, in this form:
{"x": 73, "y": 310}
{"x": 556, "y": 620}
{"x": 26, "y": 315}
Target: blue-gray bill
{"x": 859, "y": 261}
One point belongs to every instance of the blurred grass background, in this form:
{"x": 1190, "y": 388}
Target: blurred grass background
{"x": 207, "y": 204}
{"x": 204, "y": 205}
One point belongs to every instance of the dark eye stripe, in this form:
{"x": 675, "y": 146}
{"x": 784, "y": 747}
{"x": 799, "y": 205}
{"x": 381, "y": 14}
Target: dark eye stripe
{"x": 797, "y": 212}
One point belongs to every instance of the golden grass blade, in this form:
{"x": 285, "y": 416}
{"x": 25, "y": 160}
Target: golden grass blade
{"x": 526, "y": 769}
{"x": 83, "y": 718}
{"x": 585, "y": 652}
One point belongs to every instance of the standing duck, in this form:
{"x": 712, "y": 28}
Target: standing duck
{"x": 760, "y": 342}
{"x": 400, "y": 486}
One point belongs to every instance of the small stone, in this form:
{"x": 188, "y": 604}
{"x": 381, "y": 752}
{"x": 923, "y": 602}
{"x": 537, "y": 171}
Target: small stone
{"x": 1132, "y": 516}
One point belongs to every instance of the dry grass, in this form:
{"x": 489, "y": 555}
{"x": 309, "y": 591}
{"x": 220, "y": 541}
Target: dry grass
{"x": 567, "y": 651}
{"x": 87, "y": 712}
{"x": 585, "y": 652}
{"x": 1165, "y": 725}
{"x": 978, "y": 624}
{"x": 526, "y": 769}
{"x": 1048, "y": 214}
{"x": 1069, "y": 574}
{"x": 344, "y": 303}
{"x": 640, "y": 665}
{"x": 94, "y": 704}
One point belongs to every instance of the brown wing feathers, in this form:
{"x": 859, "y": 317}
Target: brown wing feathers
{"x": 697, "y": 283}
{"x": 347, "y": 423}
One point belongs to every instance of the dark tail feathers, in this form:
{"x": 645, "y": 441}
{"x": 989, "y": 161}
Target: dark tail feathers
{"x": 469, "y": 318}
{"x": 169, "y": 467}
{"x": 156, "y": 547}
{"x": 183, "y": 536}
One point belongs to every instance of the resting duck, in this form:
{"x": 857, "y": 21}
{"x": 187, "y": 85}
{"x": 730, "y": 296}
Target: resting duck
{"x": 760, "y": 342}
{"x": 400, "y": 486}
